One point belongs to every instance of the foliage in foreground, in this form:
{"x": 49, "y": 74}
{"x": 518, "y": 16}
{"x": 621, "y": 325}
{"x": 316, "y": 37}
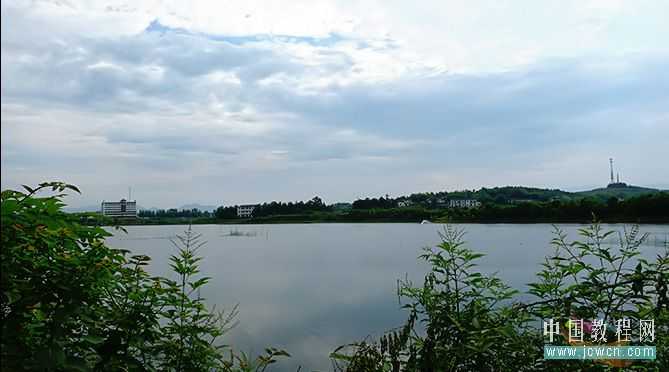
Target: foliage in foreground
{"x": 69, "y": 302}
{"x": 462, "y": 320}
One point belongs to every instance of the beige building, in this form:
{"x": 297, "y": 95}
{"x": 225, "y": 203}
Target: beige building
{"x": 120, "y": 209}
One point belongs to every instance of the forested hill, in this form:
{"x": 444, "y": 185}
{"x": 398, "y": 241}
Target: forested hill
{"x": 510, "y": 193}
{"x": 617, "y": 192}
{"x": 516, "y": 194}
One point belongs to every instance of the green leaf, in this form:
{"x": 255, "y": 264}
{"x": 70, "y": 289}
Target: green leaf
{"x": 93, "y": 339}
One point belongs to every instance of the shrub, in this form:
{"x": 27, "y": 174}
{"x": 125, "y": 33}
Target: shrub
{"x": 462, "y": 320}
{"x": 69, "y": 302}
{"x": 589, "y": 279}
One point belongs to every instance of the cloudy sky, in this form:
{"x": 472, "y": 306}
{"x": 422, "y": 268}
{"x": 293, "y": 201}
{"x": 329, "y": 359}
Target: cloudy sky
{"x": 230, "y": 102}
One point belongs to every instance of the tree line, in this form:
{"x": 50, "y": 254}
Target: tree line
{"x": 173, "y": 212}
{"x": 507, "y": 204}
{"x": 643, "y": 208}
{"x": 316, "y": 204}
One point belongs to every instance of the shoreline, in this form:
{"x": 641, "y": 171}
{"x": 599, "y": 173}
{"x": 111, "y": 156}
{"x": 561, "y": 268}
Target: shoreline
{"x": 309, "y": 222}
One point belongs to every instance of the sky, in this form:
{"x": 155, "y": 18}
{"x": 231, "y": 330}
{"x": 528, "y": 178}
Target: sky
{"x": 222, "y": 102}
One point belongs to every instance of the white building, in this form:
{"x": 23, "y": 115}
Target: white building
{"x": 245, "y": 211}
{"x": 404, "y": 203}
{"x": 464, "y": 203}
{"x": 123, "y": 208}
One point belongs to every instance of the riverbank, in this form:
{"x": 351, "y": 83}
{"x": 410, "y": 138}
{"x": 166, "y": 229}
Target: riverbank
{"x": 309, "y": 219}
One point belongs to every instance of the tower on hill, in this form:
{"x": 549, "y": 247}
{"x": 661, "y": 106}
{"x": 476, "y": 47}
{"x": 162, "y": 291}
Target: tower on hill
{"x": 615, "y": 183}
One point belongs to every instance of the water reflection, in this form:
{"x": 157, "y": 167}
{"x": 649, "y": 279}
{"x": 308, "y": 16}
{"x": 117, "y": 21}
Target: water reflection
{"x": 310, "y": 288}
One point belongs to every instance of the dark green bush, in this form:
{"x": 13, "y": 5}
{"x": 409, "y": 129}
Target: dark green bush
{"x": 69, "y": 302}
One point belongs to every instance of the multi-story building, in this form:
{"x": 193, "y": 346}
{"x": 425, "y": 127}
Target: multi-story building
{"x": 120, "y": 209}
{"x": 245, "y": 211}
{"x": 464, "y": 203}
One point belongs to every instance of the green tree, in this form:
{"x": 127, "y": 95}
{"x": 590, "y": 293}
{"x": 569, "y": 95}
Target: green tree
{"x": 55, "y": 274}
{"x": 69, "y": 302}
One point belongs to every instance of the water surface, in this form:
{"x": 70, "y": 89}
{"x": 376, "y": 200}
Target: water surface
{"x": 308, "y": 288}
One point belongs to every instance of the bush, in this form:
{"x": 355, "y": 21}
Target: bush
{"x": 69, "y": 302}
{"x": 590, "y": 280}
{"x": 462, "y": 320}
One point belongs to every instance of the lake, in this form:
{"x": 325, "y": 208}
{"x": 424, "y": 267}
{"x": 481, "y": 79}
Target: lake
{"x": 308, "y": 288}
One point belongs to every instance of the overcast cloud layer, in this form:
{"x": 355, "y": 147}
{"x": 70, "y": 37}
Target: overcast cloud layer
{"x": 224, "y": 103}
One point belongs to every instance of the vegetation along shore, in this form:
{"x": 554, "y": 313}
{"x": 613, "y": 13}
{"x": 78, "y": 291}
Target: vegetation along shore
{"x": 494, "y": 205}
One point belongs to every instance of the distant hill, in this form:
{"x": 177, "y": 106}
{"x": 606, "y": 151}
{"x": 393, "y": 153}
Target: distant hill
{"x": 520, "y": 193}
{"x": 505, "y": 195}
{"x": 617, "y": 192}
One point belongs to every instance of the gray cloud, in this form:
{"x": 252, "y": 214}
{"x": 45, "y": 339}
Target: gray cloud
{"x": 279, "y": 111}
